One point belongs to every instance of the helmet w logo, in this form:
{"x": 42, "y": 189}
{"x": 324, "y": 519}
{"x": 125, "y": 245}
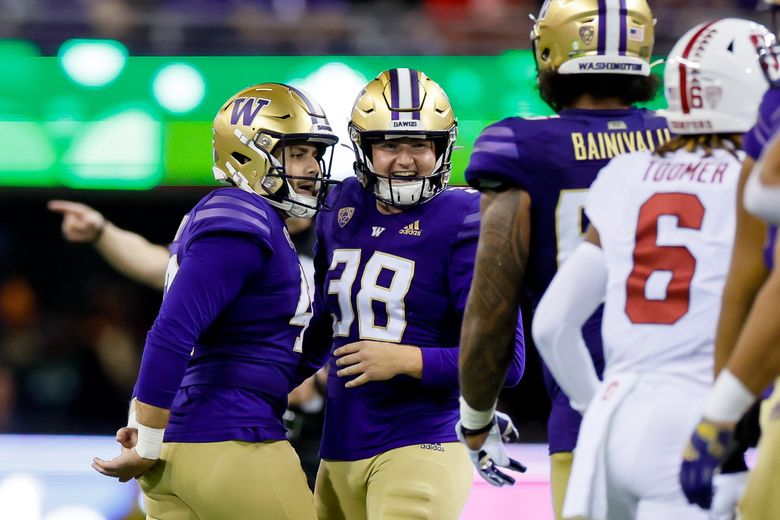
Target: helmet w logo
{"x": 246, "y": 110}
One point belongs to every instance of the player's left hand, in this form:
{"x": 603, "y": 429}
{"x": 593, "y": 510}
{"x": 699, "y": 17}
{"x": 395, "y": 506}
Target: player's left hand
{"x": 377, "y": 361}
{"x": 708, "y": 448}
{"x": 492, "y": 455}
{"x": 128, "y": 464}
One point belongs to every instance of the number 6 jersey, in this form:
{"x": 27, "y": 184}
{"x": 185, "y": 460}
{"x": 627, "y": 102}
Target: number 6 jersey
{"x": 667, "y": 228}
{"x": 403, "y": 279}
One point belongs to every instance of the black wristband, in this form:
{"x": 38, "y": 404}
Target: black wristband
{"x": 466, "y": 432}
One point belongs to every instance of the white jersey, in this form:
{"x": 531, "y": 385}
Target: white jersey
{"x": 667, "y": 227}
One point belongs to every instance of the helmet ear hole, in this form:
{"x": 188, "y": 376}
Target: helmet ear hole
{"x": 241, "y": 158}
{"x": 545, "y": 54}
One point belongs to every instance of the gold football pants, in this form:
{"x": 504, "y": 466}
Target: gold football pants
{"x": 418, "y": 482}
{"x": 229, "y": 480}
{"x": 761, "y": 500}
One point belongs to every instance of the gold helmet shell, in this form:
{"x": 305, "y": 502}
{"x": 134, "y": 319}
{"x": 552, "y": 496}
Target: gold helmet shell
{"x": 594, "y": 36}
{"x": 399, "y": 103}
{"x": 249, "y": 127}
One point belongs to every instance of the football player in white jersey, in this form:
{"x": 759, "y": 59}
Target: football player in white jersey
{"x": 657, "y": 252}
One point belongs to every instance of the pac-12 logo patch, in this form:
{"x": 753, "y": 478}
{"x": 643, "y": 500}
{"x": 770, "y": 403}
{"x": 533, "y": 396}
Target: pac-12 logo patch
{"x": 586, "y": 34}
{"x": 345, "y": 215}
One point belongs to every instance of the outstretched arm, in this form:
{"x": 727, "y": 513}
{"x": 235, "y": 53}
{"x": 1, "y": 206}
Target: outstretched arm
{"x": 127, "y": 252}
{"x": 488, "y": 332}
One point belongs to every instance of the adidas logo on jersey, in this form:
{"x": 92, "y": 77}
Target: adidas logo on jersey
{"x": 412, "y": 229}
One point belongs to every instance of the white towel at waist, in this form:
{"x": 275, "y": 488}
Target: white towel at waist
{"x": 586, "y": 494}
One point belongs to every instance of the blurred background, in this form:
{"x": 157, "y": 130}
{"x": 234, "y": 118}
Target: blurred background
{"x": 110, "y": 103}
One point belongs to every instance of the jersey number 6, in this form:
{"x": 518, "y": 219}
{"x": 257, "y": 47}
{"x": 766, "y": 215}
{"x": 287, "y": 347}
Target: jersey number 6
{"x": 649, "y": 257}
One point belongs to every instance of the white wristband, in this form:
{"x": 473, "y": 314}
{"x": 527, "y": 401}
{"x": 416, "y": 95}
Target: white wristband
{"x": 761, "y": 200}
{"x": 729, "y": 399}
{"x": 472, "y": 419}
{"x": 132, "y": 422}
{"x": 149, "y": 442}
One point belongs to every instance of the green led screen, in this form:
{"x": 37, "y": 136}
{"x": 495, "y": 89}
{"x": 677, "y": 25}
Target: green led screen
{"x": 95, "y": 118}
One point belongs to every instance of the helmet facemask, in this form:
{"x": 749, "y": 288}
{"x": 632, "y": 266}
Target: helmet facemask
{"x": 396, "y": 190}
{"x": 294, "y": 203}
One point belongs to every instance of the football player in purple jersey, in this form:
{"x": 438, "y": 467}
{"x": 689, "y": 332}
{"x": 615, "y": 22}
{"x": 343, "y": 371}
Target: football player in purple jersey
{"x": 205, "y": 435}
{"x": 593, "y": 65}
{"x": 393, "y": 265}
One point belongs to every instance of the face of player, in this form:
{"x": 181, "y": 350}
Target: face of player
{"x": 301, "y": 160}
{"x": 404, "y": 157}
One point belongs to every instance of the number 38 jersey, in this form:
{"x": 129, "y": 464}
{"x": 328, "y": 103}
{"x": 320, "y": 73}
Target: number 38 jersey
{"x": 667, "y": 228}
{"x": 401, "y": 279}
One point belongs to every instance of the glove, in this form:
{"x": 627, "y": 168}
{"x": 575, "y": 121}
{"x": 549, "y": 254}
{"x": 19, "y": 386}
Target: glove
{"x": 709, "y": 446}
{"x": 728, "y": 490}
{"x": 492, "y": 455}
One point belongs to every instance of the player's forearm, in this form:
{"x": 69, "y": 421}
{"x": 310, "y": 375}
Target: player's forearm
{"x": 151, "y": 416}
{"x": 738, "y": 297}
{"x": 747, "y": 273}
{"x": 756, "y": 358}
{"x": 488, "y": 331}
{"x": 133, "y": 255}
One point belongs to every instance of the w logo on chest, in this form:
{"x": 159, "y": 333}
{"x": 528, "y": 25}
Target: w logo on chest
{"x": 376, "y": 231}
{"x": 246, "y": 109}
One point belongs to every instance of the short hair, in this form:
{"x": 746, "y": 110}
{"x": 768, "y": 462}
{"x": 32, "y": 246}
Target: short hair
{"x": 562, "y": 90}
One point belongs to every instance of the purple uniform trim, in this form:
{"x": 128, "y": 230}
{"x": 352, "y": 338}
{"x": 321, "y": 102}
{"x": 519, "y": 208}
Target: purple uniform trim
{"x": 622, "y": 48}
{"x": 230, "y": 213}
{"x": 415, "y": 80}
{"x": 602, "y": 27}
{"x": 312, "y": 108}
{"x": 766, "y": 126}
{"x": 394, "y": 94}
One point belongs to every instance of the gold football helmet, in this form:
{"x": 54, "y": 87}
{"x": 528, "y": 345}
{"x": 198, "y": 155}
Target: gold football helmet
{"x": 594, "y": 36}
{"x": 248, "y": 129}
{"x": 403, "y": 103}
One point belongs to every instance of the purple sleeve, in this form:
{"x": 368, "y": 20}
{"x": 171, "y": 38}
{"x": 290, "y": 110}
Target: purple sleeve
{"x": 767, "y": 124}
{"x": 202, "y": 288}
{"x": 318, "y": 338}
{"x": 495, "y": 160}
{"x": 440, "y": 365}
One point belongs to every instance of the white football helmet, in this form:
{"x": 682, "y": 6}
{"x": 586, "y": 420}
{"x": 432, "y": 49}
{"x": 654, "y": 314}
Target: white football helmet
{"x": 713, "y": 78}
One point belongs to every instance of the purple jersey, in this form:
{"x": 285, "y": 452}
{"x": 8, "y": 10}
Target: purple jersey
{"x": 767, "y": 124}
{"x": 555, "y": 160}
{"x": 222, "y": 352}
{"x": 401, "y": 279}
